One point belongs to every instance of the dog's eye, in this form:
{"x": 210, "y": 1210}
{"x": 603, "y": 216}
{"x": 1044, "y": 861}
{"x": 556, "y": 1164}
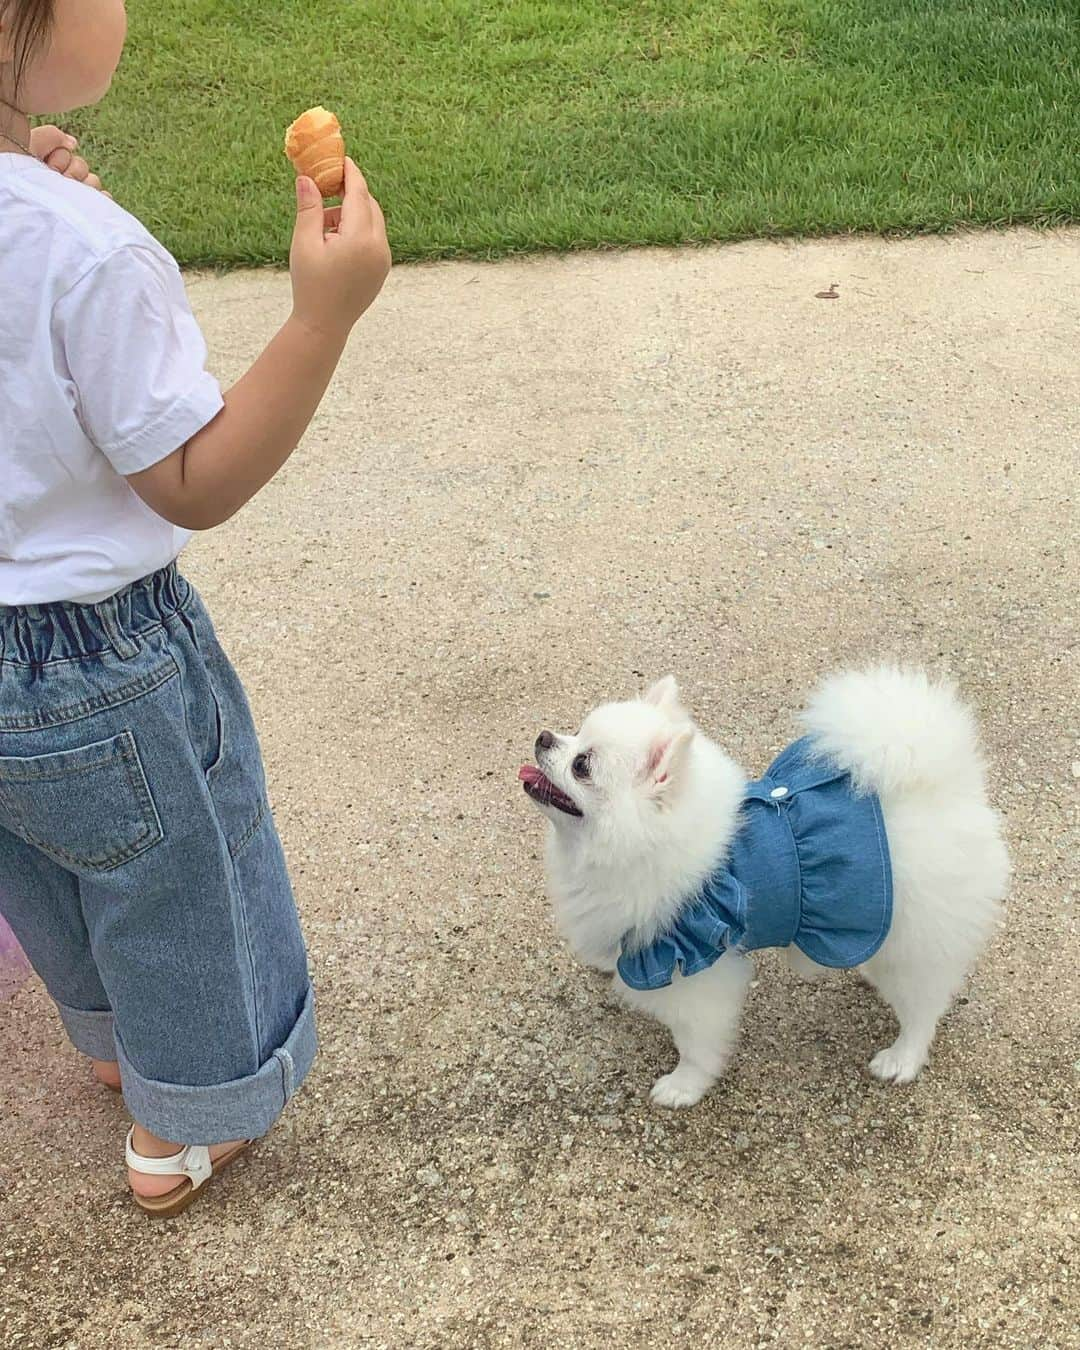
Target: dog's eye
{"x": 580, "y": 766}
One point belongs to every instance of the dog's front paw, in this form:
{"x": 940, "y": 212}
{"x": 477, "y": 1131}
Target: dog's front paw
{"x": 684, "y": 1087}
{"x": 897, "y": 1065}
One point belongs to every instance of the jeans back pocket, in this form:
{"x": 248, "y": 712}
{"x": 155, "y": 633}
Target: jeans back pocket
{"x": 89, "y": 809}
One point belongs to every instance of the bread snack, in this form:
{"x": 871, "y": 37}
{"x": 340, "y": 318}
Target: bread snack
{"x": 316, "y": 147}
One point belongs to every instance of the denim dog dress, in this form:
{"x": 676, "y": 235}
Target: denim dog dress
{"x": 809, "y": 865}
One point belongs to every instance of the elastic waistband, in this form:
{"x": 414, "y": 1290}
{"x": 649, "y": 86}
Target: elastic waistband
{"x": 35, "y": 635}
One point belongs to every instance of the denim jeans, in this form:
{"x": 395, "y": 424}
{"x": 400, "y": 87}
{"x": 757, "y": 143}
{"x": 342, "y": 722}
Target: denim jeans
{"x": 140, "y": 868}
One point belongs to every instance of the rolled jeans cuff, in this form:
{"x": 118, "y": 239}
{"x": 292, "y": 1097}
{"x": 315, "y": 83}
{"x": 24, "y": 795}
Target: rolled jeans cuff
{"x": 245, "y": 1108}
{"x": 90, "y": 1032}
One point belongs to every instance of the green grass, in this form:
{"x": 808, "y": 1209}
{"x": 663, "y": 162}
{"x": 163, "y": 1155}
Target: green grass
{"x": 491, "y": 126}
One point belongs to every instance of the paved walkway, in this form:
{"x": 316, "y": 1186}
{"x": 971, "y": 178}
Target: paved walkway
{"x": 535, "y": 485}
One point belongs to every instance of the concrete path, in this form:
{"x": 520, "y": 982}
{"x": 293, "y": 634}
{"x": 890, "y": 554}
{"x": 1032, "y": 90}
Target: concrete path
{"x": 533, "y": 486}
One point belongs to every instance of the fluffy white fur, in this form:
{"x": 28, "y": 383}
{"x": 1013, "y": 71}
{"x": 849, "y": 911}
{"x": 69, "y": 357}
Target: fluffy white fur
{"x": 659, "y": 804}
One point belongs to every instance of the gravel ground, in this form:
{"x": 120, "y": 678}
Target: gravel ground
{"x": 533, "y": 486}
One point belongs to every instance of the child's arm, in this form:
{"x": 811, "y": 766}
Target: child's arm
{"x": 335, "y": 276}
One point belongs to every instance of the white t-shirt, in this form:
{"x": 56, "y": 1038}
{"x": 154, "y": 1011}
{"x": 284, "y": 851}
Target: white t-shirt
{"x": 102, "y": 374}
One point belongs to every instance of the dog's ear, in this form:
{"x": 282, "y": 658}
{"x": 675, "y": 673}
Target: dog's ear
{"x": 667, "y": 764}
{"x": 665, "y": 695}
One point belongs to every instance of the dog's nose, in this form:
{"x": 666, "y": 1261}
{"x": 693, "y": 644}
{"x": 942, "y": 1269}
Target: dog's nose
{"x": 545, "y": 741}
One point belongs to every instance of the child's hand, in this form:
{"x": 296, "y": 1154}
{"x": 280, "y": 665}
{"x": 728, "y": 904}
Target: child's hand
{"x": 340, "y": 257}
{"x": 57, "y": 149}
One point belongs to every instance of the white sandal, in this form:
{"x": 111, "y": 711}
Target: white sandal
{"x": 193, "y": 1163}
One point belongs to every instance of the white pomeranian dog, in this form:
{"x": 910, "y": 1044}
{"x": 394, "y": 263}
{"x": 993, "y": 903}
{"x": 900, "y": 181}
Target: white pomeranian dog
{"x": 869, "y": 843}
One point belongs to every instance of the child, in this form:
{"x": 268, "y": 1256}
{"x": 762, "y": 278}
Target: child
{"x": 139, "y": 865}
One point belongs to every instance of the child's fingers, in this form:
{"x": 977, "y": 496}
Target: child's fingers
{"x": 46, "y": 140}
{"x": 331, "y": 219}
{"x": 59, "y": 159}
{"x": 364, "y": 221}
{"x": 355, "y": 182}
{"x": 73, "y": 166}
{"x": 378, "y": 220}
{"x": 355, "y": 200}
{"x": 309, "y": 214}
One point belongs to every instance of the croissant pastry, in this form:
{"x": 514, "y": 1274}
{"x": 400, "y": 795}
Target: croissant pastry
{"x": 316, "y": 147}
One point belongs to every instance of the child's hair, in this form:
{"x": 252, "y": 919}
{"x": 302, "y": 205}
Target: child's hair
{"x": 30, "y": 23}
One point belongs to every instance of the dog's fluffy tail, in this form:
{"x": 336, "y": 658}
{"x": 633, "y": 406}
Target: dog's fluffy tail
{"x": 896, "y": 730}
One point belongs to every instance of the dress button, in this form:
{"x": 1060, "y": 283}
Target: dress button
{"x": 778, "y": 792}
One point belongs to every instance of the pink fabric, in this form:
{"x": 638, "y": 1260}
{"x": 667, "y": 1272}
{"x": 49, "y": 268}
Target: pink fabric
{"x": 14, "y": 967}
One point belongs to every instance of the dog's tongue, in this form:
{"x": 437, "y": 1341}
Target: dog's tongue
{"x": 529, "y": 773}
